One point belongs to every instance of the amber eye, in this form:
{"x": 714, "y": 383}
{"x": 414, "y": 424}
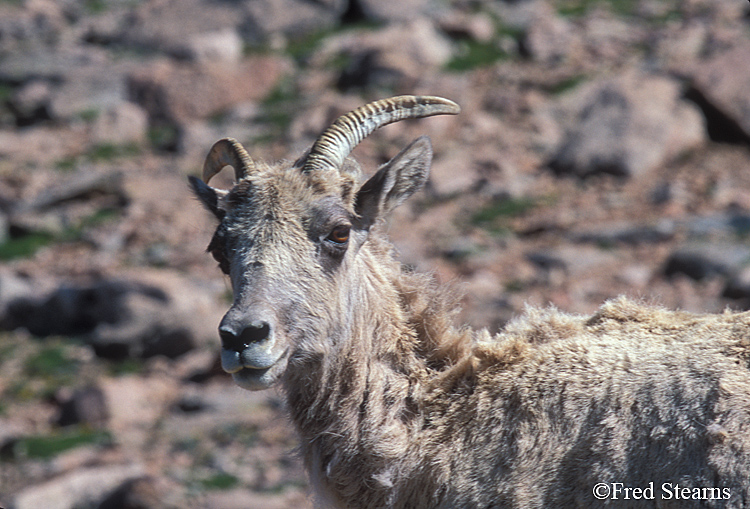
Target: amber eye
{"x": 339, "y": 235}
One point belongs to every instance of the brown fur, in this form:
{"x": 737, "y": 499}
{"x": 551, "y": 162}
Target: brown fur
{"x": 397, "y": 408}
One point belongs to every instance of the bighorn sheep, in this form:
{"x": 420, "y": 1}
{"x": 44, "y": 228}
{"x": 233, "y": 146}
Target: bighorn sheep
{"x": 634, "y": 406}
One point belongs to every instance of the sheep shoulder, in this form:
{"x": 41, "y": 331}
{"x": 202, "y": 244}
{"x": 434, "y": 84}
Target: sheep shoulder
{"x": 632, "y": 394}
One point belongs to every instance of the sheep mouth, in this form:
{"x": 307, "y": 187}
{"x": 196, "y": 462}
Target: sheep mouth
{"x": 254, "y": 370}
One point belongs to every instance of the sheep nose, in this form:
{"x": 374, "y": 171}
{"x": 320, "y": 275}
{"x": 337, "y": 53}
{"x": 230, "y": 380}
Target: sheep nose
{"x": 239, "y": 338}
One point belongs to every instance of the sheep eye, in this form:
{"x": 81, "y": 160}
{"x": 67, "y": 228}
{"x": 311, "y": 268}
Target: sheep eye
{"x": 339, "y": 235}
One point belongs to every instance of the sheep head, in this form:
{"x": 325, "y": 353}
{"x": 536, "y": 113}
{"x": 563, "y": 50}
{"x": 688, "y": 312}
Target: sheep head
{"x": 289, "y": 235}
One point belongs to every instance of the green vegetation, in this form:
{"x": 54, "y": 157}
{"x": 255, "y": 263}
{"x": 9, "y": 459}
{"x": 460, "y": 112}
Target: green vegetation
{"x": 278, "y": 110}
{"x": 500, "y": 209}
{"x": 567, "y": 84}
{"x": 45, "y": 371}
{"x": 495, "y": 217}
{"x": 6, "y": 91}
{"x": 52, "y": 361}
{"x": 43, "y": 447}
{"x": 163, "y": 137}
{"x": 24, "y": 245}
{"x": 219, "y": 481}
{"x": 89, "y": 115}
{"x": 104, "y": 152}
{"x": 27, "y": 244}
{"x": 95, "y": 6}
{"x": 474, "y": 54}
{"x": 578, "y": 8}
{"x": 302, "y": 47}
{"x": 100, "y": 153}
{"x": 126, "y": 367}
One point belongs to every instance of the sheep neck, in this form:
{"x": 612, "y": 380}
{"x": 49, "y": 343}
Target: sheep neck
{"x": 358, "y": 407}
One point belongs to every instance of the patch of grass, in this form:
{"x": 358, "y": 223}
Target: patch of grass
{"x": 233, "y": 433}
{"x": 510, "y": 207}
{"x": 66, "y": 164}
{"x": 7, "y": 351}
{"x": 164, "y": 137}
{"x": 27, "y": 244}
{"x": 278, "y": 109}
{"x": 474, "y": 54}
{"x": 24, "y": 246}
{"x": 95, "y": 6}
{"x": 89, "y": 115}
{"x": 579, "y": 8}
{"x": 515, "y": 286}
{"x": 219, "y": 481}
{"x": 6, "y": 90}
{"x": 51, "y": 361}
{"x": 496, "y": 216}
{"x": 44, "y": 447}
{"x": 302, "y": 47}
{"x": 126, "y": 367}
{"x": 110, "y": 151}
{"x": 102, "y": 152}
{"x": 567, "y": 84}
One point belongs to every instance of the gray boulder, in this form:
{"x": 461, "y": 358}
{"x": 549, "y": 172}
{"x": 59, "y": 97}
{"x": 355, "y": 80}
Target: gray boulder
{"x": 625, "y": 126}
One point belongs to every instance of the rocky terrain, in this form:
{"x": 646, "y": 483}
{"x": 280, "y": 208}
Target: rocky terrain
{"x": 603, "y": 149}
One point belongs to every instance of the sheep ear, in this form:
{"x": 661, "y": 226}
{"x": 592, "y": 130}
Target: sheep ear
{"x": 209, "y": 196}
{"x": 394, "y": 182}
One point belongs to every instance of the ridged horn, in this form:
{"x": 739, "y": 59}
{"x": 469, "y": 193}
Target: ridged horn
{"x": 336, "y": 142}
{"x": 227, "y": 152}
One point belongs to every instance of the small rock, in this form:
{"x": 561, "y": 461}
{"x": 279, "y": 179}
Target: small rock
{"x": 266, "y": 18}
{"x": 477, "y": 27}
{"x": 738, "y": 286}
{"x": 549, "y": 38}
{"x": 628, "y": 233}
{"x": 121, "y": 124}
{"x": 180, "y": 92}
{"x": 30, "y": 103}
{"x": 118, "y": 319}
{"x": 722, "y": 82}
{"x": 242, "y": 499}
{"x": 88, "y": 89}
{"x": 136, "y": 404}
{"x": 445, "y": 177}
{"x": 707, "y": 260}
{"x": 139, "y": 493}
{"x": 221, "y": 46}
{"x": 575, "y": 261}
{"x": 394, "y": 10}
{"x": 81, "y": 488}
{"x": 78, "y": 186}
{"x": 625, "y": 126}
{"x": 41, "y": 144}
{"x": 392, "y": 55}
{"x": 168, "y": 26}
{"x": 85, "y": 406}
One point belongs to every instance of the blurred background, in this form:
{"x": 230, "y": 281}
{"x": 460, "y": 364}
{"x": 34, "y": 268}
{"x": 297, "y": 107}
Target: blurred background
{"x": 603, "y": 149}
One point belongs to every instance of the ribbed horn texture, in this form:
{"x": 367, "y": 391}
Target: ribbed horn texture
{"x": 336, "y": 142}
{"x": 227, "y": 152}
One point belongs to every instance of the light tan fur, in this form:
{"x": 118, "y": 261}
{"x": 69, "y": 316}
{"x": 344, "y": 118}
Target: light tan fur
{"x": 395, "y": 407}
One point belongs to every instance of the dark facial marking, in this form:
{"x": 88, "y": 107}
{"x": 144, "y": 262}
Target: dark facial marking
{"x": 217, "y": 248}
{"x": 328, "y": 228}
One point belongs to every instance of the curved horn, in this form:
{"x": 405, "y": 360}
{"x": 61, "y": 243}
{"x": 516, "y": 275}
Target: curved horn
{"x": 336, "y": 142}
{"x": 227, "y": 152}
